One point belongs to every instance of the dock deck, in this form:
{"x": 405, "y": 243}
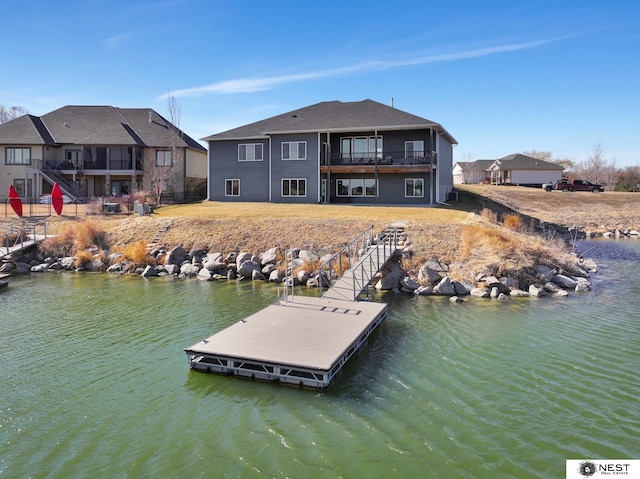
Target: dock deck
{"x": 304, "y": 341}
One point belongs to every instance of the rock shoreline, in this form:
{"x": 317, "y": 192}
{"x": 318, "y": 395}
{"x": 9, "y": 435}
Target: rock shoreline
{"x": 432, "y": 278}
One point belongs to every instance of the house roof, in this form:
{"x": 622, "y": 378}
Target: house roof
{"x": 518, "y": 161}
{"x": 94, "y": 125}
{"x": 478, "y": 165}
{"x": 333, "y": 116}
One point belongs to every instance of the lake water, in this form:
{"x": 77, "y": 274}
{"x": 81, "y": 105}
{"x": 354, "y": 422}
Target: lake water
{"x": 94, "y": 383}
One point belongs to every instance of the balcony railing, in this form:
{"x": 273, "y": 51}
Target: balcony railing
{"x": 92, "y": 165}
{"x": 391, "y": 158}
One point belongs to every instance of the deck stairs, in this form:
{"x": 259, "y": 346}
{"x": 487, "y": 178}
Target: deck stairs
{"x": 70, "y": 188}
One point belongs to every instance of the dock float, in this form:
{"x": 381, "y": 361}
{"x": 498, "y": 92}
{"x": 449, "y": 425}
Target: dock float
{"x": 303, "y": 341}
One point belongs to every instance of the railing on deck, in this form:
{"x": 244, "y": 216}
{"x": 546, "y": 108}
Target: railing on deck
{"x": 388, "y": 158}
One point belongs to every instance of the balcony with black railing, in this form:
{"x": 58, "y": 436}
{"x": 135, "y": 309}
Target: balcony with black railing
{"x": 387, "y": 158}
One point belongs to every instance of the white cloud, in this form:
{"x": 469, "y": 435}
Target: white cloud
{"x": 252, "y": 84}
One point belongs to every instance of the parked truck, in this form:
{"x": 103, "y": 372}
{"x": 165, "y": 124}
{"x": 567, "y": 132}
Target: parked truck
{"x": 573, "y": 185}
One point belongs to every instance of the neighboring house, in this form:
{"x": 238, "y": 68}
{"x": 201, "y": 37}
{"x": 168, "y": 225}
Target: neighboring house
{"x": 333, "y": 152}
{"x": 471, "y": 172}
{"x": 513, "y": 169}
{"x": 99, "y": 151}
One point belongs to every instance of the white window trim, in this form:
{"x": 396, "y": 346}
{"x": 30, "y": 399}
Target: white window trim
{"x": 293, "y": 179}
{"x": 254, "y": 145}
{"x": 414, "y": 188}
{"x": 294, "y": 149}
{"x": 227, "y": 180}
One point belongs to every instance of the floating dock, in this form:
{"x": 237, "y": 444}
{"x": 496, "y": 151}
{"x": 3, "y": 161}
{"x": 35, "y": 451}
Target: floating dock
{"x": 304, "y": 341}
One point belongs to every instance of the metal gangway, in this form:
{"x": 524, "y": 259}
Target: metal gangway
{"x": 22, "y": 234}
{"x": 348, "y": 273}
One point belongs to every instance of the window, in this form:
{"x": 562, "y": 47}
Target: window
{"x": 414, "y": 187}
{"x": 17, "y": 156}
{"x": 356, "y": 187}
{"x": 164, "y": 158}
{"x": 361, "y": 147}
{"x": 23, "y": 187}
{"x": 294, "y": 150}
{"x": 294, "y": 187}
{"x": 231, "y": 187}
{"x": 250, "y": 152}
{"x": 414, "y": 149}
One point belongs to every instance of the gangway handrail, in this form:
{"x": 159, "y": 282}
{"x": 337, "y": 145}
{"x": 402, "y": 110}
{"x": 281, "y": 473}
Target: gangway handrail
{"x": 22, "y": 229}
{"x": 357, "y": 261}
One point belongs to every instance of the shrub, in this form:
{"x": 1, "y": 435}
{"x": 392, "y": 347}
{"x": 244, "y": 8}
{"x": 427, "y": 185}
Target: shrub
{"x": 89, "y": 234}
{"x": 73, "y": 238}
{"x": 513, "y": 222}
{"x": 82, "y": 258}
{"x": 137, "y": 253}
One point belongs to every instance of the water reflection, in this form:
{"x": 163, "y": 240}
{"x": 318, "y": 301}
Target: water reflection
{"x": 623, "y": 249}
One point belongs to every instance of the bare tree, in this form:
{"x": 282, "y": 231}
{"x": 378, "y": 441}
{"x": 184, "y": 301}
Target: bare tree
{"x": 11, "y": 113}
{"x": 162, "y": 165}
{"x": 597, "y": 169}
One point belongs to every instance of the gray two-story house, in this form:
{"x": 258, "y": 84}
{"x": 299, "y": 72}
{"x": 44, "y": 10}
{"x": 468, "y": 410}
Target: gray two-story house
{"x": 333, "y": 152}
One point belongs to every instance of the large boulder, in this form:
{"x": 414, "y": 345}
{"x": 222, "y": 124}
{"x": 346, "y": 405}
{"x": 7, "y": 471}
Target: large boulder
{"x": 176, "y": 256}
{"x": 308, "y": 256}
{"x": 246, "y": 268}
{"x": 275, "y": 276}
{"x": 149, "y": 271}
{"x": 205, "y": 275}
{"x": 390, "y": 281}
{"x": 444, "y": 287}
{"x": 270, "y": 256}
{"x": 189, "y": 269}
{"x": 537, "y": 291}
{"x": 215, "y": 266}
{"x": 242, "y": 257}
{"x": 564, "y": 281}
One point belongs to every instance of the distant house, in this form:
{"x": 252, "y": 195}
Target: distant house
{"x": 333, "y": 152}
{"x": 471, "y": 172}
{"x": 98, "y": 151}
{"x": 516, "y": 169}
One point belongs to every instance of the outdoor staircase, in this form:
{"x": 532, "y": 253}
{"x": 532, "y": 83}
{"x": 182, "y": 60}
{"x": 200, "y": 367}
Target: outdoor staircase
{"x": 69, "y": 188}
{"x": 164, "y": 227}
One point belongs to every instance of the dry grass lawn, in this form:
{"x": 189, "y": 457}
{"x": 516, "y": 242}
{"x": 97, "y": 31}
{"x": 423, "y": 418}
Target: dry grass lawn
{"x": 433, "y": 231}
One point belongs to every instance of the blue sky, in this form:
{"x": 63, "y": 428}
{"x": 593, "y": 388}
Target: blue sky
{"x": 501, "y": 77}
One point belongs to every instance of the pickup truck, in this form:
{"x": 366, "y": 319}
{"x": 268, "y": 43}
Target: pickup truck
{"x": 573, "y": 185}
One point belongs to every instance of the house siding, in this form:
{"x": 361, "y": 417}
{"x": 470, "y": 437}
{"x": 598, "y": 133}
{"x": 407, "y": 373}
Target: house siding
{"x": 526, "y": 177}
{"x": 295, "y": 169}
{"x": 445, "y": 169}
{"x": 224, "y": 164}
{"x": 391, "y": 189}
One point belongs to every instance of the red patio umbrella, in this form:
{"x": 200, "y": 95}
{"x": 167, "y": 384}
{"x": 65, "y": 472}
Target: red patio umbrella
{"x": 56, "y": 198}
{"x": 15, "y": 201}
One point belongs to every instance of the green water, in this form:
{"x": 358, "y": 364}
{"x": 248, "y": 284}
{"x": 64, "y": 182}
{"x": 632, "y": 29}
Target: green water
{"x": 94, "y": 383}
